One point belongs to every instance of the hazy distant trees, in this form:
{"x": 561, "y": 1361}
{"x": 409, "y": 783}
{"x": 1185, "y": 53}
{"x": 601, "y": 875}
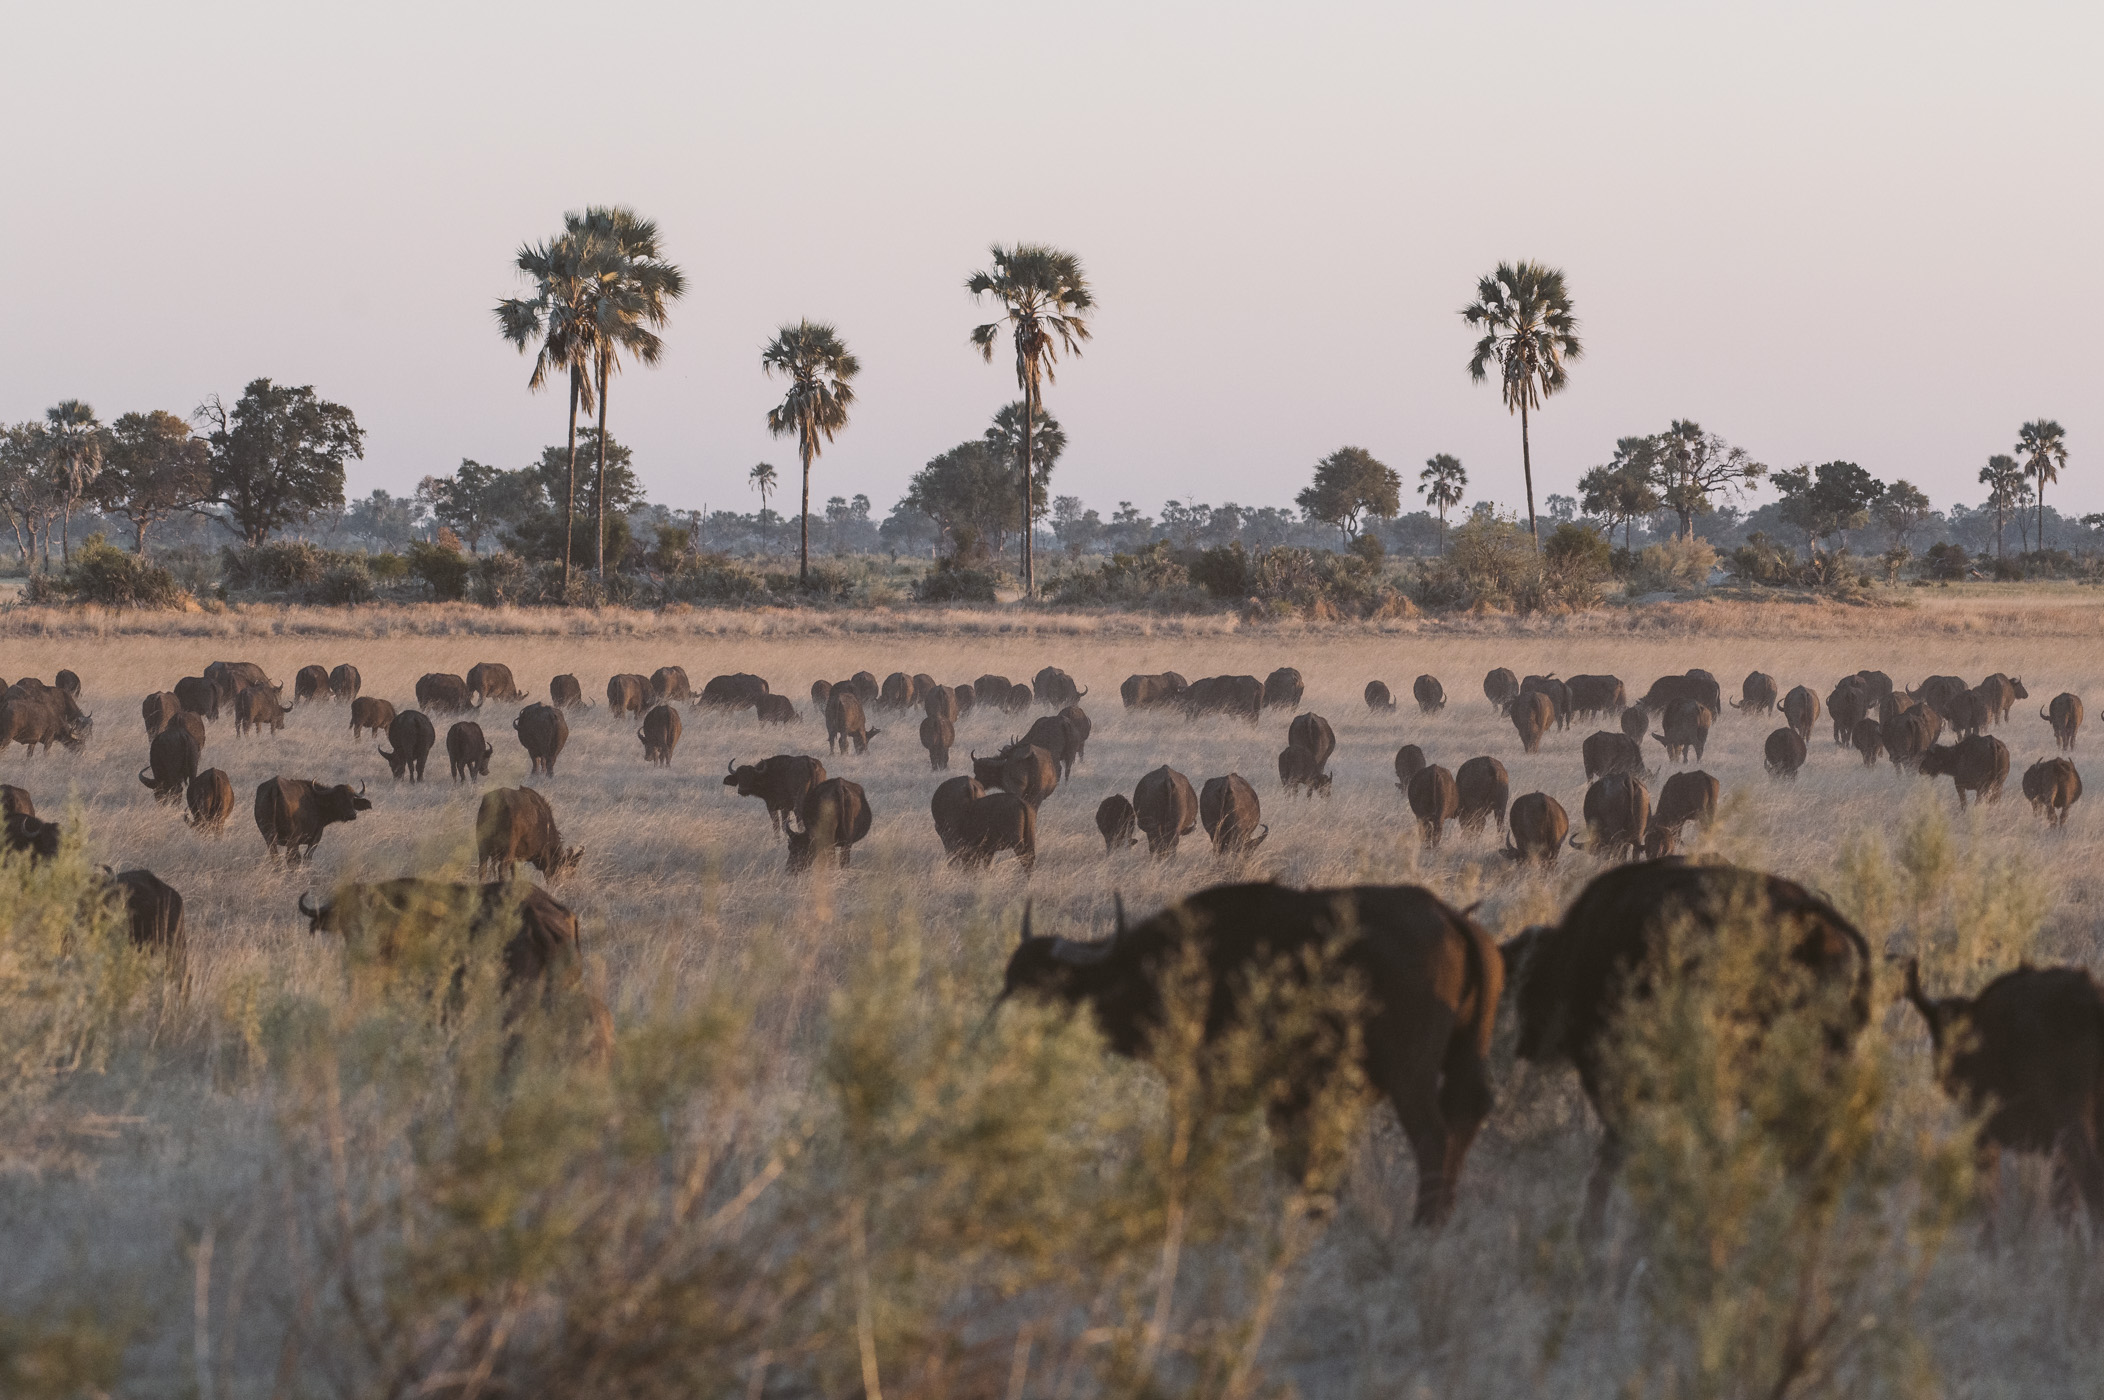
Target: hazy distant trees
{"x": 1903, "y": 509}
{"x": 821, "y": 373}
{"x": 1830, "y": 499}
{"x": 2003, "y": 477}
{"x": 476, "y": 501}
{"x": 1530, "y": 335}
{"x": 1351, "y": 484}
{"x": 1624, "y": 490}
{"x": 152, "y": 467}
{"x": 277, "y": 456}
{"x": 1441, "y": 484}
{"x": 1689, "y": 466}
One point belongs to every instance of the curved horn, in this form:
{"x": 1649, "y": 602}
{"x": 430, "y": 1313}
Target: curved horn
{"x": 1080, "y": 691}
{"x": 1576, "y": 844}
{"x": 1026, "y": 919}
{"x": 361, "y": 789}
{"x": 383, "y": 753}
{"x": 304, "y": 908}
{"x": 733, "y": 768}
{"x": 143, "y": 778}
{"x": 1263, "y": 830}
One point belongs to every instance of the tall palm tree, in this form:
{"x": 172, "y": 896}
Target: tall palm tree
{"x": 1043, "y": 293}
{"x": 763, "y": 480}
{"x": 2042, "y": 443}
{"x": 821, "y": 374}
{"x": 629, "y": 287}
{"x": 559, "y": 315}
{"x": 2004, "y": 480}
{"x": 74, "y": 436}
{"x": 1443, "y": 478}
{"x": 1530, "y": 333}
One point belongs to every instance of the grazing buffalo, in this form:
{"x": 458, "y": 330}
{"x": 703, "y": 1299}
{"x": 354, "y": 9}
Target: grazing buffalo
{"x": 541, "y": 950}
{"x": 741, "y": 690}
{"x": 1878, "y": 683}
{"x": 1801, "y": 711}
{"x": 1686, "y": 797}
{"x": 936, "y": 736}
{"x": 1378, "y": 699}
{"x": 413, "y": 738}
{"x": 1532, "y": 714}
{"x": 660, "y": 735}
{"x": 1435, "y": 800}
{"x": 370, "y": 714}
{"x": 310, "y": 683}
{"x": 566, "y": 694}
{"x": 1605, "y": 751}
{"x": 1430, "y": 695}
{"x": 67, "y": 681}
{"x": 832, "y": 817}
{"x": 780, "y": 782}
{"x": 1559, "y": 695}
{"x": 952, "y": 797}
{"x": 1575, "y": 981}
{"x": 821, "y": 691}
{"x": 1937, "y": 692}
{"x": 1298, "y": 771}
{"x": 1500, "y": 688}
{"x": 1849, "y": 701}
{"x": 1150, "y": 692}
{"x": 1424, "y": 987}
{"x": 2065, "y": 715}
{"x": 345, "y": 683}
{"x": 258, "y": 708}
{"x": 517, "y": 824}
{"x": 924, "y": 685}
{"x": 1410, "y": 760}
{"x": 171, "y": 762}
{"x": 898, "y": 692}
{"x": 1118, "y": 823}
{"x": 1283, "y": 688}
{"x": 1166, "y": 809}
{"x": 966, "y": 699}
{"x": 1592, "y": 696}
{"x": 230, "y": 676}
{"x": 1056, "y": 688}
{"x": 32, "y": 720}
{"x": 1868, "y": 739}
{"x": 292, "y": 813}
{"x": 1312, "y": 732}
{"x": 542, "y": 732}
{"x": 1023, "y": 769}
{"x": 1909, "y": 734}
{"x": 442, "y": 694}
{"x": 492, "y": 680}
{"x": 1484, "y": 789}
{"x": 1636, "y": 723}
{"x": 1536, "y": 829}
{"x": 1055, "y": 735}
{"x": 2001, "y": 694}
{"x": 940, "y": 702}
{"x": 1784, "y": 753}
{"x": 992, "y": 689}
{"x": 210, "y": 798}
{"x": 1687, "y": 727}
{"x": 671, "y": 686}
{"x": 1229, "y": 809}
{"x": 774, "y": 709}
{"x": 989, "y": 824}
{"x": 1756, "y": 694}
{"x": 1699, "y": 686}
{"x": 160, "y": 709}
{"x": 1967, "y": 713}
{"x": 1979, "y": 765}
{"x": 1617, "y": 815}
{"x": 864, "y": 684}
{"x": 1078, "y": 721}
{"x": 26, "y": 835}
{"x": 16, "y": 801}
{"x": 153, "y": 911}
{"x": 845, "y": 724}
{"x": 199, "y": 696}
{"x": 2053, "y": 786}
{"x": 1020, "y": 698}
{"x": 627, "y": 694}
{"x": 1241, "y": 696}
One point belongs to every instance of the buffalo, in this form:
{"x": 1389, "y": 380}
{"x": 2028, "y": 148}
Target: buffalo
{"x": 33, "y": 720}
{"x": 1378, "y": 699}
{"x": 1868, "y": 739}
{"x": 1617, "y": 816}
{"x": 1055, "y": 688}
{"x": 660, "y": 735}
{"x": 940, "y": 702}
{"x": 2065, "y": 715}
{"x": 1055, "y": 735}
{"x": 833, "y": 816}
{"x": 413, "y": 738}
{"x": 292, "y": 813}
{"x": 1312, "y": 732}
{"x": 258, "y": 708}
{"x": 1229, "y": 809}
{"x": 1532, "y": 714}
{"x": 1636, "y": 723}
{"x": 542, "y": 732}
{"x": 1909, "y": 734}
{"x": 1967, "y": 713}
{"x": 1687, "y": 727}
{"x": 369, "y": 713}
{"x": 953, "y": 796}
{"x": 1023, "y": 769}
{"x": 1536, "y": 829}
{"x": 864, "y": 684}
{"x": 1849, "y": 701}
{"x": 1756, "y": 694}
{"x": 845, "y": 724}
{"x": 821, "y": 691}
{"x": 1784, "y": 753}
{"x": 1484, "y": 789}
{"x": 779, "y": 782}
{"x": 1597, "y": 695}
{"x": 230, "y": 676}
{"x": 741, "y": 690}
{"x": 564, "y": 693}
{"x": 898, "y": 692}
{"x": 67, "y": 681}
{"x": 1937, "y": 692}
{"x": 1241, "y": 696}
{"x": 1801, "y": 711}
{"x": 966, "y": 699}
{"x": 171, "y": 762}
{"x": 2052, "y": 785}
{"x": 1020, "y": 698}
{"x": 1429, "y": 693}
{"x": 1606, "y": 751}
{"x": 16, "y": 801}
{"x": 627, "y": 694}
{"x": 1283, "y": 688}
{"x": 492, "y": 680}
{"x": 1435, "y": 800}
{"x": 1559, "y": 695}
{"x": 1298, "y": 772}
{"x": 1166, "y": 810}
{"x": 936, "y": 736}
{"x": 1877, "y": 683}
{"x": 1425, "y": 986}
{"x": 28, "y": 835}
{"x": 2001, "y": 694}
{"x": 671, "y": 686}
{"x": 517, "y": 824}
{"x": 1150, "y": 692}
{"x": 153, "y": 911}
{"x": 1410, "y": 760}
{"x": 1979, "y": 765}
{"x": 210, "y": 798}
{"x": 310, "y": 683}
{"x": 989, "y": 824}
{"x": 1079, "y": 723}
{"x": 1686, "y": 797}
{"x": 1699, "y": 686}
{"x": 1118, "y": 823}
{"x": 992, "y": 689}
{"x": 1500, "y": 688}
{"x": 442, "y": 694}
{"x": 159, "y": 711}
{"x": 345, "y": 683}
{"x": 540, "y": 949}
{"x": 774, "y": 709}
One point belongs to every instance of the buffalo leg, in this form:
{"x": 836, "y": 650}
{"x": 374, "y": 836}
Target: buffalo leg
{"x": 1464, "y": 1102}
{"x": 1607, "y": 1164}
{"x": 1402, "y": 1065}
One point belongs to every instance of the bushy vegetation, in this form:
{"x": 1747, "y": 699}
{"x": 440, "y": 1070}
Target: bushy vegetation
{"x": 110, "y": 577}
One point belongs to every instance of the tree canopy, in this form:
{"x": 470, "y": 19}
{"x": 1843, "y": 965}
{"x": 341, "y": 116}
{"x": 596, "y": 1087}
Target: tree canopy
{"x": 1830, "y": 499}
{"x": 153, "y": 466}
{"x": 1531, "y": 336}
{"x": 278, "y": 455}
{"x": 1351, "y": 484}
{"x": 1624, "y": 490}
{"x": 1689, "y": 466}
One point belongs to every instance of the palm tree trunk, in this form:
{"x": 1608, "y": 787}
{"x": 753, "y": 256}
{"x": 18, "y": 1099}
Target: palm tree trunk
{"x": 2041, "y": 514}
{"x": 1442, "y": 532}
{"x": 65, "y": 536}
{"x": 803, "y": 516}
{"x": 599, "y": 495}
{"x": 570, "y": 495}
{"x": 1527, "y": 468}
{"x": 1029, "y": 414}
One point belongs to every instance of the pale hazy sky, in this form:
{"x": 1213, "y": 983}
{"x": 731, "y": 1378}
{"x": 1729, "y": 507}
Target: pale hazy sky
{"x": 1825, "y": 230}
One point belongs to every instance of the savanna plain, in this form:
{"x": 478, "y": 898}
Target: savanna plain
{"x": 810, "y": 1163}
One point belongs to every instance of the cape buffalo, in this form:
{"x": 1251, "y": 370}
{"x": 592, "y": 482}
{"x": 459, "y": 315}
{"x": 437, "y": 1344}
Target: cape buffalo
{"x": 992, "y": 689}
{"x": 1435, "y": 800}
{"x": 898, "y": 692}
{"x": 442, "y": 694}
{"x": 2053, "y": 786}
{"x": 1056, "y": 688}
{"x": 1537, "y": 828}
{"x": 1241, "y": 696}
{"x": 564, "y": 693}
{"x": 2001, "y": 694}
{"x": 1756, "y": 694}
{"x": 864, "y": 684}
{"x": 1909, "y": 734}
{"x": 1149, "y": 692}
{"x": 258, "y": 708}
{"x": 310, "y": 683}
{"x": 940, "y": 702}
{"x": 1686, "y": 797}
{"x": 1298, "y": 771}
{"x": 1409, "y": 762}
{"x": 671, "y": 686}
{"x": 774, "y": 709}
{"x": 1378, "y": 699}
{"x": 1687, "y": 727}
{"x": 660, "y": 735}
{"x": 1229, "y": 809}
{"x": 30, "y": 836}
{"x": 1166, "y": 809}
{"x": 1847, "y": 702}
{"x": 345, "y": 683}
{"x": 230, "y": 676}
{"x": 1979, "y": 765}
{"x": 991, "y": 823}
{"x": 1055, "y": 735}
{"x": 1023, "y": 769}
{"x": 370, "y": 714}
{"x": 292, "y": 813}
{"x": 1868, "y": 739}
{"x": 540, "y": 935}
{"x": 1532, "y": 714}
{"x": 936, "y": 736}
{"x": 845, "y": 724}
{"x": 1617, "y": 814}
{"x": 1938, "y": 691}
{"x": 947, "y": 807}
{"x": 1699, "y": 686}
{"x": 740, "y": 690}
{"x": 67, "y": 681}
{"x": 966, "y": 699}
{"x": 1312, "y": 732}
{"x": 1430, "y": 695}
{"x": 210, "y": 798}
{"x": 198, "y": 695}
{"x": 160, "y": 709}
{"x": 821, "y": 691}
{"x": 16, "y": 801}
{"x": 1283, "y": 688}
{"x": 1500, "y": 687}
{"x": 1559, "y": 695}
{"x": 1801, "y": 711}
{"x": 1019, "y": 699}
{"x": 627, "y": 694}
{"x": 517, "y": 824}
{"x": 413, "y": 738}
{"x": 491, "y": 680}
{"x": 542, "y": 732}
{"x": 1784, "y": 753}
{"x": 1636, "y": 723}
{"x": 833, "y": 816}
{"x": 1605, "y": 751}
{"x": 1425, "y": 984}
{"x": 30, "y": 721}
{"x": 1597, "y": 695}
{"x": 1484, "y": 789}
{"x": 153, "y": 911}
{"x": 2065, "y": 715}
{"x": 779, "y": 782}
{"x": 171, "y": 762}
{"x": 1118, "y": 823}
{"x": 1967, "y": 713}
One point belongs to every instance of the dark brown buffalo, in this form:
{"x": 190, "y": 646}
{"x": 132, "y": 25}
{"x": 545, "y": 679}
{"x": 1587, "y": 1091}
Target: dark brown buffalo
{"x": 821, "y": 691}
{"x": 1636, "y": 723}
{"x": 1429, "y": 693}
{"x": 1425, "y": 983}
{"x": 1605, "y": 751}
{"x": 258, "y": 708}
{"x": 660, "y": 735}
{"x": 2053, "y": 786}
{"x": 345, "y": 683}
{"x": 1784, "y": 753}
{"x": 1687, "y": 727}
{"x": 1801, "y": 711}
{"x": 671, "y": 686}
{"x": 210, "y": 798}
{"x": 992, "y": 689}
{"x": 1435, "y": 800}
{"x": 566, "y": 694}
{"x": 442, "y": 694}
{"x": 1979, "y": 765}
{"x": 845, "y": 724}
{"x": 542, "y": 732}
{"x": 1378, "y": 699}
{"x": 2001, "y": 694}
{"x": 1118, "y": 823}
{"x": 1232, "y": 817}
{"x": 1241, "y": 696}
{"x": 1055, "y": 735}
{"x": 832, "y": 817}
{"x": 1166, "y": 809}
{"x": 1617, "y": 814}
{"x": 1298, "y": 772}
{"x": 199, "y": 696}
{"x": 26, "y": 835}
{"x": 741, "y": 690}
{"x": 1532, "y": 714}
{"x": 492, "y": 680}
{"x": 1756, "y": 694}
{"x": 1485, "y": 790}
{"x": 159, "y": 711}
{"x": 1023, "y": 769}
{"x": 1537, "y": 829}
{"x": 1020, "y": 699}
{"x": 1078, "y": 721}
{"x": 936, "y": 736}
{"x": 1056, "y": 688}
{"x": 1312, "y": 732}
{"x": 1575, "y": 981}
{"x": 1878, "y": 683}
{"x": 1849, "y": 701}
{"x": 517, "y": 824}
{"x": 1699, "y": 686}
{"x": 940, "y": 702}
{"x": 1938, "y": 691}
{"x": 864, "y": 684}
{"x": 1410, "y": 760}
{"x": 172, "y": 757}
{"x": 924, "y": 685}
{"x": 67, "y": 681}
{"x": 1500, "y": 688}
{"x": 627, "y": 694}
{"x": 310, "y": 683}
{"x": 1283, "y": 688}
{"x": 1686, "y": 797}
{"x": 370, "y": 714}
{"x": 779, "y": 782}
{"x": 16, "y": 801}
{"x": 1559, "y": 695}
{"x": 292, "y": 813}
{"x": 153, "y": 911}
{"x": 1868, "y": 739}
{"x": 898, "y": 692}
{"x": 1909, "y": 734}
{"x": 413, "y": 738}
{"x": 992, "y": 823}
{"x": 774, "y": 709}
{"x": 1597, "y": 695}
{"x": 230, "y": 676}
{"x": 541, "y": 950}
{"x": 2065, "y": 715}
{"x": 36, "y": 720}
{"x": 966, "y": 699}
{"x": 952, "y": 797}
{"x": 1970, "y": 713}
{"x": 1150, "y": 692}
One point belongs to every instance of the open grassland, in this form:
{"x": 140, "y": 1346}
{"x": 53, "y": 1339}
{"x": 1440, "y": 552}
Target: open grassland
{"x": 851, "y": 1184}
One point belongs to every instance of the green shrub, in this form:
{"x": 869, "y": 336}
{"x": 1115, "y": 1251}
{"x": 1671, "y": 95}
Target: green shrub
{"x": 1578, "y": 551}
{"x": 342, "y": 585}
{"x": 387, "y": 566}
{"x": 1151, "y": 577}
{"x": 1674, "y": 565}
{"x": 1946, "y": 561}
{"x": 1762, "y": 560}
{"x": 116, "y": 578}
{"x": 1222, "y": 571}
{"x": 951, "y": 582}
{"x": 444, "y": 571}
{"x": 713, "y": 578}
{"x": 2008, "y": 571}
{"x": 1369, "y": 547}
{"x": 281, "y": 564}
{"x": 502, "y": 578}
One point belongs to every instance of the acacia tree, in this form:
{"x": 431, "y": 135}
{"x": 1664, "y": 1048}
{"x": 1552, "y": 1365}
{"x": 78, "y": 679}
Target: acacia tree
{"x": 1350, "y": 484}
{"x": 2042, "y": 444}
{"x": 2004, "y": 480}
{"x": 1441, "y": 483}
{"x": 1690, "y": 466}
{"x": 1043, "y": 294}
{"x": 1830, "y": 499}
{"x": 153, "y": 466}
{"x": 558, "y": 314}
{"x": 1624, "y": 490}
{"x": 821, "y": 374}
{"x": 277, "y": 456}
{"x": 1530, "y": 334}
{"x": 1903, "y": 509}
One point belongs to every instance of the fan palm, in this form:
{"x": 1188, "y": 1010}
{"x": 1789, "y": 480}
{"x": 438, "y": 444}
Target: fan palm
{"x": 1442, "y": 478}
{"x": 2042, "y": 443}
{"x": 558, "y": 314}
{"x": 1531, "y": 335}
{"x": 2004, "y": 480}
{"x": 1043, "y": 293}
{"x": 74, "y": 435}
{"x": 821, "y": 374}
{"x": 763, "y": 480}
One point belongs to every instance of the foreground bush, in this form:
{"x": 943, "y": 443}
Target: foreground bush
{"x": 115, "y": 578}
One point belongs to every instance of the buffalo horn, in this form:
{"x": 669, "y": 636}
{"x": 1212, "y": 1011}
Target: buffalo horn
{"x": 143, "y": 778}
{"x": 1026, "y": 920}
{"x": 304, "y": 908}
{"x": 1118, "y": 901}
{"x": 733, "y": 769}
